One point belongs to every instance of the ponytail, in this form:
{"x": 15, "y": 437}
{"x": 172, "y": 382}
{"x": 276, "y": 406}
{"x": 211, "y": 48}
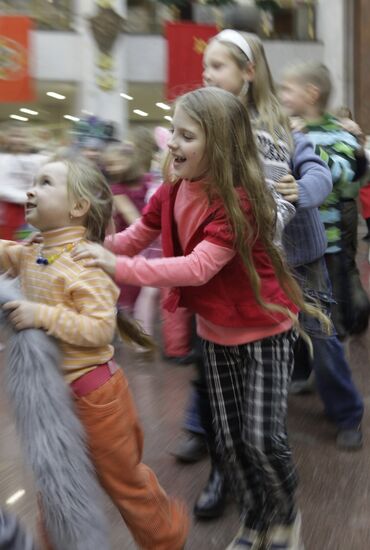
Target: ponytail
{"x": 131, "y": 332}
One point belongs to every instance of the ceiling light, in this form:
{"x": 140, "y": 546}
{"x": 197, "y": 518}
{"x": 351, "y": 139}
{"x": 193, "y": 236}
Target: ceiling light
{"x": 17, "y": 495}
{"x": 18, "y": 117}
{"x": 88, "y": 113}
{"x": 163, "y": 106}
{"x": 28, "y": 111}
{"x": 73, "y": 118}
{"x": 140, "y": 112}
{"x": 169, "y": 118}
{"x": 55, "y": 95}
{"x": 125, "y": 96}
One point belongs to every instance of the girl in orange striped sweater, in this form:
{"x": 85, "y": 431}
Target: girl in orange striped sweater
{"x": 70, "y": 203}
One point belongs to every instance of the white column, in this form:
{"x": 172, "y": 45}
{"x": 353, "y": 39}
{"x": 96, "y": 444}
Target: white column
{"x": 105, "y": 104}
{"x": 333, "y": 31}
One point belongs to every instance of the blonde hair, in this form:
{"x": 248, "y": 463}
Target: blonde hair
{"x": 85, "y": 181}
{"x": 314, "y": 73}
{"x": 234, "y": 163}
{"x": 261, "y": 96}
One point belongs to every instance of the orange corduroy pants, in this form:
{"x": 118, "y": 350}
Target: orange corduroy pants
{"x": 115, "y": 442}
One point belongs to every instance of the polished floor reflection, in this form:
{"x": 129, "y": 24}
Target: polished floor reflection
{"x": 334, "y": 491}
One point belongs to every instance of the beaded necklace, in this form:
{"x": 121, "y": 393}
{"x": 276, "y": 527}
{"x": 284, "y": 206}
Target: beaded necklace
{"x": 48, "y": 260}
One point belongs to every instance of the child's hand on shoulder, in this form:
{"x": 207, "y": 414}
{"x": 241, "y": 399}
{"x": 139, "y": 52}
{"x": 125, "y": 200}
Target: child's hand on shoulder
{"x": 22, "y": 313}
{"x": 35, "y": 238}
{"x": 97, "y": 256}
{"x": 355, "y": 129}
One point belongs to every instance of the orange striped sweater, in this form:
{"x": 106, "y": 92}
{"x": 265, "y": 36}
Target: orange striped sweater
{"x": 77, "y": 304}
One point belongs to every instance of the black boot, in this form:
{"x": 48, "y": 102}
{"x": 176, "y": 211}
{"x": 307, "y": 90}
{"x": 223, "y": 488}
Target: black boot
{"x": 212, "y": 500}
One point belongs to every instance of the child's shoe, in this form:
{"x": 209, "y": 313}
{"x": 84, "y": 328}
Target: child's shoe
{"x": 302, "y": 387}
{"x": 247, "y": 539}
{"x": 286, "y": 537}
{"x": 350, "y": 439}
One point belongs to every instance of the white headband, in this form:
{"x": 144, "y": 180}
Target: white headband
{"x": 228, "y": 35}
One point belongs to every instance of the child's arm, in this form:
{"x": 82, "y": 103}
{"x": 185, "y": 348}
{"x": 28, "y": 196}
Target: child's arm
{"x": 90, "y": 322}
{"x": 340, "y": 156}
{"x": 195, "y": 269}
{"x": 311, "y": 172}
{"x": 126, "y": 209}
{"x": 362, "y": 166}
{"x": 362, "y": 162}
{"x": 133, "y": 240}
{"x": 142, "y": 233}
{"x": 11, "y": 256}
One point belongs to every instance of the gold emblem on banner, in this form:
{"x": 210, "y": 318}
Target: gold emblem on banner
{"x": 13, "y": 59}
{"x": 106, "y": 26}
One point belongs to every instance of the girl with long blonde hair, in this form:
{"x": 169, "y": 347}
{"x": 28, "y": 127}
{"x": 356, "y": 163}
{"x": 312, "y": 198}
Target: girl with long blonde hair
{"x": 237, "y": 62}
{"x": 299, "y": 182}
{"x": 217, "y": 220}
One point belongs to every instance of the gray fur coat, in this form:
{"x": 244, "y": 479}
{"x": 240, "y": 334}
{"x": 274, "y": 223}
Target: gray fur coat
{"x": 52, "y": 436}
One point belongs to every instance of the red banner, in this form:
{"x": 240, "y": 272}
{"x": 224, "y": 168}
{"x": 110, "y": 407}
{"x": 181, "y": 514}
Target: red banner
{"x": 186, "y": 43}
{"x": 15, "y": 81}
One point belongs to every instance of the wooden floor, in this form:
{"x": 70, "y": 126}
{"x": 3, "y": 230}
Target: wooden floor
{"x": 334, "y": 491}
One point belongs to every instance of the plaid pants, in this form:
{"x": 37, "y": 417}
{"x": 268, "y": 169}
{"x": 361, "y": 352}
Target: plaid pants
{"x": 248, "y": 390}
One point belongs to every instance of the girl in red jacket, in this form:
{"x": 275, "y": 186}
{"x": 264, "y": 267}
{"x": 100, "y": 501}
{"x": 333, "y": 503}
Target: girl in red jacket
{"x": 217, "y": 221}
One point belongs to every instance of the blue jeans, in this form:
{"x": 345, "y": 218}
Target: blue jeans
{"x": 342, "y": 401}
{"x": 192, "y": 421}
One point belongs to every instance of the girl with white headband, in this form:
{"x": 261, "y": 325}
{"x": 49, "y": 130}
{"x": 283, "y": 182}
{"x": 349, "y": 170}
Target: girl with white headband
{"x": 237, "y": 63}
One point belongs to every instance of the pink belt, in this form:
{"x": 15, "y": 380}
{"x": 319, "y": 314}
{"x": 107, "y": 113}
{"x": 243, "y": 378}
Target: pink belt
{"x": 93, "y": 379}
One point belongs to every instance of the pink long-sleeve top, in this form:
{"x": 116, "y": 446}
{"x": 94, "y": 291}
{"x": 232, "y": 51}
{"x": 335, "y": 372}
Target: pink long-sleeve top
{"x": 195, "y": 269}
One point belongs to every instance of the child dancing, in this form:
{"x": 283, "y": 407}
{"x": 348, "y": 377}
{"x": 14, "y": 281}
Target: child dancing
{"x": 71, "y": 203}
{"x": 217, "y": 221}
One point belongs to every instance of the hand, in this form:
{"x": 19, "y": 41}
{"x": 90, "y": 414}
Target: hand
{"x": 353, "y": 128}
{"x": 34, "y": 238}
{"x": 98, "y": 257}
{"x": 297, "y": 124}
{"x": 22, "y": 313}
{"x": 288, "y": 188}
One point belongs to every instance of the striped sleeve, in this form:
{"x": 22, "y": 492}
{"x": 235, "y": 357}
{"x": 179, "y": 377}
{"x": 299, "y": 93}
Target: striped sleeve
{"x": 91, "y": 319}
{"x": 11, "y": 254}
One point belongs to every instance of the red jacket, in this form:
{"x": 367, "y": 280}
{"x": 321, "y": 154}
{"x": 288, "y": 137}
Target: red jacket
{"x": 227, "y": 299}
